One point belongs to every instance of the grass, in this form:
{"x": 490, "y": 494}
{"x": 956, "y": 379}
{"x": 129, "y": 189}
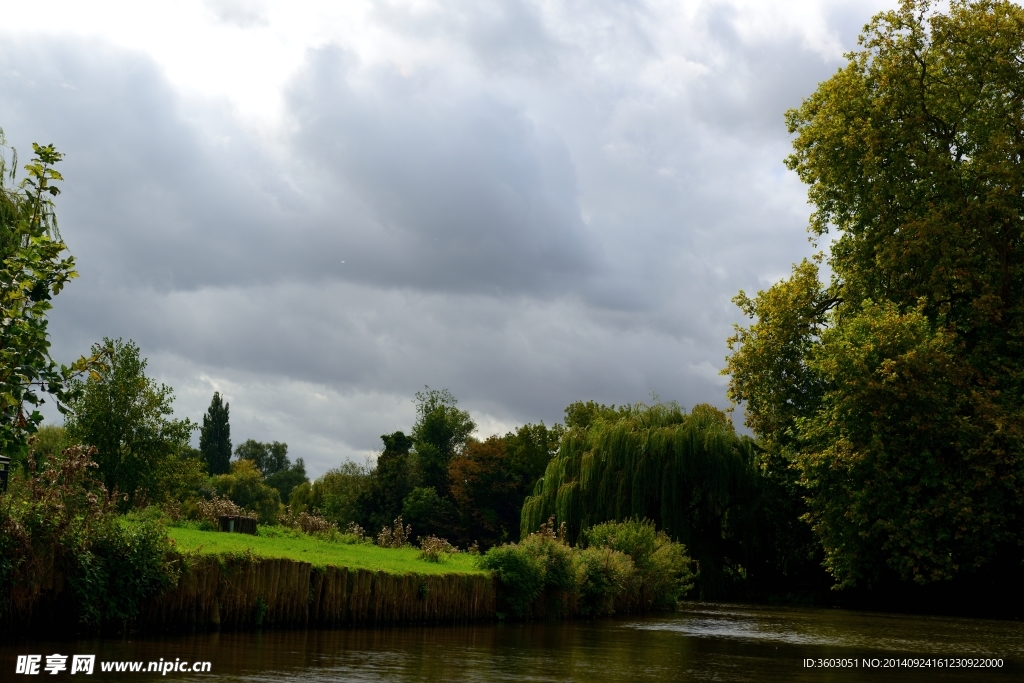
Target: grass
{"x": 320, "y": 553}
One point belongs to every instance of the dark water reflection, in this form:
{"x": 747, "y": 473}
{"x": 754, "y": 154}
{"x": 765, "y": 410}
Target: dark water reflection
{"x": 703, "y": 643}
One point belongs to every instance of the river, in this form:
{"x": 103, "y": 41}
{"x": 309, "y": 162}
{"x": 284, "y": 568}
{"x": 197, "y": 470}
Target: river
{"x": 703, "y": 642}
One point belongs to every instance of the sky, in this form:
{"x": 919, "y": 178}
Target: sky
{"x": 319, "y": 208}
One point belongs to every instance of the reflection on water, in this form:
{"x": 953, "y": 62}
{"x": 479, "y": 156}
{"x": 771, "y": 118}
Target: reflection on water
{"x": 701, "y": 643}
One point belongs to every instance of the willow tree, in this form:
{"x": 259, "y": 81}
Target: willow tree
{"x": 896, "y": 388}
{"x": 689, "y": 473}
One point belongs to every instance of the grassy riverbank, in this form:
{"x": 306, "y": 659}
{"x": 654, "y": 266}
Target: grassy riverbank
{"x": 320, "y": 553}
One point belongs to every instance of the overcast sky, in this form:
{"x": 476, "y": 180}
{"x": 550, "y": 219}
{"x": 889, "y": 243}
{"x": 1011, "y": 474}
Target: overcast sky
{"x": 319, "y": 208}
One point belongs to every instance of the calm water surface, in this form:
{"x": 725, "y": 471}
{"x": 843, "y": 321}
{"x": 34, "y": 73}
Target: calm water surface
{"x": 702, "y": 643}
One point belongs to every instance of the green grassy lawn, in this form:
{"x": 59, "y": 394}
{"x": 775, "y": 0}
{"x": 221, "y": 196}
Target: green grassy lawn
{"x": 321, "y": 553}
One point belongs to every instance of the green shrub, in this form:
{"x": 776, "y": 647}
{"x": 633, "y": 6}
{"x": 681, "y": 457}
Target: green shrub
{"x": 634, "y": 537}
{"x": 555, "y": 557}
{"x": 59, "y": 517}
{"x": 246, "y": 488}
{"x": 669, "y": 576}
{"x": 118, "y": 568}
{"x": 521, "y": 574}
{"x": 602, "y": 576}
{"x": 663, "y": 573}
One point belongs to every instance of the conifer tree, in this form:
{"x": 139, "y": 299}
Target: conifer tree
{"x": 215, "y": 437}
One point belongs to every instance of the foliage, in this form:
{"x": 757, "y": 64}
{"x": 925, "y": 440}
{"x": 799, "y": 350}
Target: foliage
{"x": 125, "y": 415}
{"x": 602, "y": 574}
{"x": 336, "y": 495}
{"x": 274, "y": 464}
{"x": 33, "y": 269}
{"x": 395, "y": 536}
{"x": 439, "y": 434}
{"x": 521, "y": 575}
{"x": 692, "y": 474}
{"x": 307, "y": 523}
{"x": 344, "y": 551}
{"x": 895, "y": 390}
{"x": 626, "y": 565}
{"x": 215, "y": 436}
{"x": 245, "y": 487}
{"x": 389, "y": 483}
{"x": 428, "y": 512}
{"x": 490, "y": 480}
{"x": 662, "y": 566}
{"x": 210, "y": 511}
{"x": 434, "y": 549}
{"x": 58, "y": 518}
{"x": 48, "y": 442}
{"x": 123, "y": 565}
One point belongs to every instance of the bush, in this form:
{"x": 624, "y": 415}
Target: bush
{"x": 627, "y": 564}
{"x": 602, "y": 576}
{"x": 662, "y": 565}
{"x": 308, "y": 523}
{"x": 521, "y": 575}
{"x": 124, "y": 564}
{"x": 209, "y": 511}
{"x": 60, "y": 517}
{"x": 396, "y": 536}
{"x": 434, "y": 549}
{"x": 245, "y": 487}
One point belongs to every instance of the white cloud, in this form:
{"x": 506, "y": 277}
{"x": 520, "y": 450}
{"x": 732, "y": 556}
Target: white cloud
{"x": 318, "y": 208}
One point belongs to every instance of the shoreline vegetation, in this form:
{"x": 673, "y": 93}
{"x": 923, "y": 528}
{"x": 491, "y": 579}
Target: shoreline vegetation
{"x": 885, "y": 469}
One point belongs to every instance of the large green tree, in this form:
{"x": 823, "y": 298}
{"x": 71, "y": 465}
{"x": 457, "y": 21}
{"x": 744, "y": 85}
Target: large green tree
{"x": 142, "y": 451}
{"x": 34, "y": 267}
{"x": 691, "y": 474}
{"x": 272, "y": 461}
{"x": 439, "y": 434}
{"x": 895, "y": 389}
{"x": 215, "y": 436}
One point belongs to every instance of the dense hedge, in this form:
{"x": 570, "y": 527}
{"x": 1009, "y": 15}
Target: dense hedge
{"x": 621, "y": 567}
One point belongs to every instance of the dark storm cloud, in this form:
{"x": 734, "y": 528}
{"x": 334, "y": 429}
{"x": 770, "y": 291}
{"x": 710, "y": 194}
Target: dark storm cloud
{"x": 561, "y": 211}
{"x": 460, "y": 192}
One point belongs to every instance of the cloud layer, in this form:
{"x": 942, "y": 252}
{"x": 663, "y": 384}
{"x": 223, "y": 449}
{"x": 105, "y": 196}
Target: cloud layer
{"x": 527, "y": 203}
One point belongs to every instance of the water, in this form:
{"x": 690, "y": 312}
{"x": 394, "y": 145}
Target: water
{"x": 701, "y": 643}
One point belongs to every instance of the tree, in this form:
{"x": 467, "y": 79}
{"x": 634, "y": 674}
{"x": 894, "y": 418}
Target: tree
{"x": 215, "y": 436}
{"x": 439, "y": 434}
{"x": 691, "y": 474}
{"x": 33, "y": 269}
{"x": 272, "y": 460}
{"x": 896, "y": 390}
{"x": 390, "y": 481}
{"x": 337, "y": 495}
{"x": 491, "y": 479}
{"x": 245, "y": 486}
{"x": 127, "y": 417}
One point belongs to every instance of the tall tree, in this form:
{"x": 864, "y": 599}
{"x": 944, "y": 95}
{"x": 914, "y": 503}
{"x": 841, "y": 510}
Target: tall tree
{"x": 439, "y": 434}
{"x": 215, "y": 436}
{"x": 896, "y": 390}
{"x": 272, "y": 461}
{"x": 34, "y": 267}
{"x": 691, "y": 474}
{"x": 127, "y": 416}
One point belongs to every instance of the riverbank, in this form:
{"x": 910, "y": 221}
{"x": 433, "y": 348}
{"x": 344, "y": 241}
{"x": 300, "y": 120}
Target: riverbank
{"x": 319, "y": 553}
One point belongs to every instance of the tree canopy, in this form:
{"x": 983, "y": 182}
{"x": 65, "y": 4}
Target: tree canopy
{"x": 215, "y": 436}
{"x": 34, "y": 267}
{"x": 895, "y": 388}
{"x": 439, "y": 434}
{"x": 272, "y": 461}
{"x": 140, "y": 449}
{"x": 689, "y": 473}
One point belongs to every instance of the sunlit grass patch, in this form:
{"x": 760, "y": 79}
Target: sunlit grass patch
{"x": 320, "y": 553}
